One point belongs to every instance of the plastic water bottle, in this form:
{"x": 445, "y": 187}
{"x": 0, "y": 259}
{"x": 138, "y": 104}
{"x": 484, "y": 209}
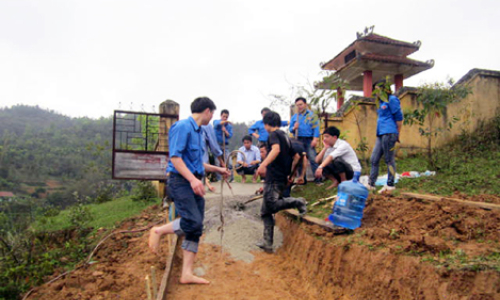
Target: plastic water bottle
{"x": 348, "y": 209}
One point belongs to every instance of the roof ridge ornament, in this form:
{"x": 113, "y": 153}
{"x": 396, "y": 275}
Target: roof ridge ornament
{"x": 417, "y": 43}
{"x": 366, "y": 32}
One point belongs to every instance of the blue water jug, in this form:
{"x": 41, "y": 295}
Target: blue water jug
{"x": 348, "y": 209}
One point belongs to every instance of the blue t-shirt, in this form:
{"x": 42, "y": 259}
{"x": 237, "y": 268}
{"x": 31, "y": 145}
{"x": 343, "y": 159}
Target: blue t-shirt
{"x": 210, "y": 142}
{"x": 219, "y": 132}
{"x": 308, "y": 126}
{"x": 185, "y": 140}
{"x": 388, "y": 114}
{"x": 261, "y": 130}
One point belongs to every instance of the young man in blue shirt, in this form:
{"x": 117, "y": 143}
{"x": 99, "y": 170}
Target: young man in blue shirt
{"x": 277, "y": 168}
{"x": 186, "y": 170}
{"x": 389, "y": 122}
{"x": 248, "y": 164}
{"x": 258, "y": 131}
{"x": 304, "y": 125}
{"x": 224, "y": 132}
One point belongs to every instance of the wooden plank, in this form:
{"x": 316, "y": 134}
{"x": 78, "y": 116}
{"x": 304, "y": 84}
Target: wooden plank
{"x": 323, "y": 200}
{"x": 162, "y": 291}
{"x": 483, "y": 205}
{"x": 315, "y": 221}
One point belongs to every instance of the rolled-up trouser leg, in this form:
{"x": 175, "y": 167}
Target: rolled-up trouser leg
{"x": 191, "y": 210}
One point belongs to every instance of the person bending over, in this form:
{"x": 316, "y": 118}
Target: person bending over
{"x": 277, "y": 167}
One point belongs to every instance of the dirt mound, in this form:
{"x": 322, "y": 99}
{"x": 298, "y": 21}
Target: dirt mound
{"x": 121, "y": 265}
{"x": 405, "y": 249}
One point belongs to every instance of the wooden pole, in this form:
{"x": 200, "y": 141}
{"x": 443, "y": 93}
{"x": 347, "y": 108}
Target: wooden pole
{"x": 148, "y": 287}
{"x": 323, "y": 200}
{"x": 153, "y": 277}
{"x": 483, "y": 205}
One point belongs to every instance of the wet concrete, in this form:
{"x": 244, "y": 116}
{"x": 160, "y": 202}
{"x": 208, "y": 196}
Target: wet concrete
{"x": 242, "y": 228}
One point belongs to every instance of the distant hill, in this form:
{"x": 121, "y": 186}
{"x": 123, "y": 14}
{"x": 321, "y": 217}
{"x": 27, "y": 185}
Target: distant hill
{"x": 38, "y": 144}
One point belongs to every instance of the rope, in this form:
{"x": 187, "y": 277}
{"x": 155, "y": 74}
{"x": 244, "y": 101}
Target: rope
{"x": 221, "y": 207}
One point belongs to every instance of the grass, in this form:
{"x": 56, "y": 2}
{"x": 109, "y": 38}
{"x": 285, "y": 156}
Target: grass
{"x": 470, "y": 173}
{"x": 459, "y": 260}
{"x": 312, "y": 193}
{"x": 104, "y": 215}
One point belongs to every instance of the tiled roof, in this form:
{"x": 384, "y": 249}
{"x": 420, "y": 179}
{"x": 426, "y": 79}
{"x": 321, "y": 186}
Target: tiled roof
{"x": 385, "y": 40}
{"x": 473, "y": 72}
{"x": 395, "y": 59}
{"x": 6, "y": 194}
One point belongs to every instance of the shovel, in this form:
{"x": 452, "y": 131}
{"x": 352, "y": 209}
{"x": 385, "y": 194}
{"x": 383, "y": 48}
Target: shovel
{"x": 240, "y": 206}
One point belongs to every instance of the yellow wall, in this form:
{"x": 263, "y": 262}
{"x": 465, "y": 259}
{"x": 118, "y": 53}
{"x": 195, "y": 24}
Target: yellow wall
{"x": 481, "y": 105}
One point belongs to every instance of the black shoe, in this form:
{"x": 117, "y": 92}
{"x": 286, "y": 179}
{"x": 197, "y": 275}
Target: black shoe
{"x": 266, "y": 243}
{"x": 302, "y": 207}
{"x": 263, "y": 245}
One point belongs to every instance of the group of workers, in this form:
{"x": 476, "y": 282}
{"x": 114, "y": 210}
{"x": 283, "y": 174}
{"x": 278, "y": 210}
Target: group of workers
{"x": 276, "y": 158}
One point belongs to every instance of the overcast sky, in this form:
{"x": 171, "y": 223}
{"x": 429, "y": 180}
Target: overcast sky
{"x": 88, "y": 58}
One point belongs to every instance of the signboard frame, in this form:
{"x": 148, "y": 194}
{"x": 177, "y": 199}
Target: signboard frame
{"x": 132, "y": 160}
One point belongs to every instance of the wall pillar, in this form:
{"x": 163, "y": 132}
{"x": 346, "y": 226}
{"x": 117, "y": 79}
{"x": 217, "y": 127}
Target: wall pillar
{"x": 171, "y": 109}
{"x": 367, "y": 83}
{"x": 398, "y": 81}
{"x": 340, "y": 98}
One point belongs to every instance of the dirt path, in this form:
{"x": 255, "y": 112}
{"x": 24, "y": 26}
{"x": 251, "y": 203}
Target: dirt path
{"x": 405, "y": 249}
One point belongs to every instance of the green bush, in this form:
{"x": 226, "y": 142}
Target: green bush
{"x": 144, "y": 191}
{"x": 79, "y": 214}
{"x": 104, "y": 194}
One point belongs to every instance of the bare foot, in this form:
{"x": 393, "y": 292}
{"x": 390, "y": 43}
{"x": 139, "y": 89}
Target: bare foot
{"x": 211, "y": 188}
{"x": 154, "y": 240}
{"x": 191, "y": 279}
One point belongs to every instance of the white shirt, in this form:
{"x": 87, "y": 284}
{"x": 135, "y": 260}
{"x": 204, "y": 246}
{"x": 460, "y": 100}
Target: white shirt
{"x": 250, "y": 154}
{"x": 344, "y": 150}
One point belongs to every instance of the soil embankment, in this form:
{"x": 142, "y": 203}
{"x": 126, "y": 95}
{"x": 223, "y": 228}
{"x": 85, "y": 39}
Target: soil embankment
{"x": 405, "y": 249}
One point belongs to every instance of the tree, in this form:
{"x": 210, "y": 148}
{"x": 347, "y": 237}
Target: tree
{"x": 319, "y": 95}
{"x": 433, "y": 100}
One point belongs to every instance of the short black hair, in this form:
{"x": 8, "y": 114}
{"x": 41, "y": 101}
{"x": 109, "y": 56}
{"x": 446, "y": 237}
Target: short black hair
{"x": 265, "y": 109}
{"x": 201, "y": 103}
{"x": 272, "y": 119}
{"x": 247, "y": 138}
{"x": 224, "y": 111}
{"x": 301, "y": 99}
{"x": 333, "y": 131}
{"x": 263, "y": 145}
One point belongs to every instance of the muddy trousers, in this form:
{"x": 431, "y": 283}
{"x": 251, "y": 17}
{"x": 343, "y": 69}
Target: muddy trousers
{"x": 274, "y": 202}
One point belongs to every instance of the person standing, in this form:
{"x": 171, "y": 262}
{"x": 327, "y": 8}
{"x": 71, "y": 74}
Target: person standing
{"x": 224, "y": 132}
{"x": 304, "y": 125}
{"x": 211, "y": 143}
{"x": 258, "y": 131}
{"x": 186, "y": 169}
{"x": 389, "y": 122}
{"x": 277, "y": 168}
{"x": 337, "y": 161}
{"x": 248, "y": 164}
